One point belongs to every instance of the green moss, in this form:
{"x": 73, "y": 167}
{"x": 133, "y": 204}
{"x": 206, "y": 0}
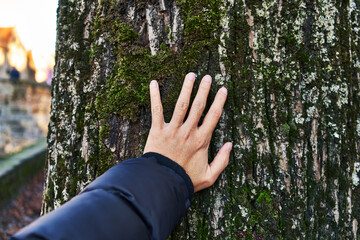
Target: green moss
{"x": 48, "y": 196}
{"x": 80, "y": 121}
{"x": 126, "y": 91}
{"x": 135, "y": 67}
{"x": 104, "y": 131}
{"x": 264, "y": 196}
{"x": 105, "y": 159}
{"x": 59, "y": 181}
{"x": 73, "y": 184}
{"x": 254, "y": 211}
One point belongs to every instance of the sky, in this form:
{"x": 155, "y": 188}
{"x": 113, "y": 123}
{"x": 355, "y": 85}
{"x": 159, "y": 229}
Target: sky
{"x": 35, "y": 22}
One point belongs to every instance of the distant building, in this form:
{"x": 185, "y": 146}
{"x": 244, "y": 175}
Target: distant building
{"x": 13, "y": 55}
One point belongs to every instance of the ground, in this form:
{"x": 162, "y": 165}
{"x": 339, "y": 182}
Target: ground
{"x": 24, "y": 209}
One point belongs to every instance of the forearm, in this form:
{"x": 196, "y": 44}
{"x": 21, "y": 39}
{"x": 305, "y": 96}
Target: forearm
{"x": 141, "y": 198}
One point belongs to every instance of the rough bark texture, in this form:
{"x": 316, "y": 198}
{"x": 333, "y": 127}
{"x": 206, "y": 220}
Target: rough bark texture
{"x": 293, "y": 112}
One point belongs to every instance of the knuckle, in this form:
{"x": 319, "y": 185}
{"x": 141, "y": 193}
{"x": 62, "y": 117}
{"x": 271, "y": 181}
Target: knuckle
{"x": 156, "y": 109}
{"x": 187, "y": 134}
{"x": 217, "y": 113}
{"x": 170, "y": 133}
{"x": 202, "y": 142}
{"x": 183, "y": 106}
{"x": 199, "y": 105}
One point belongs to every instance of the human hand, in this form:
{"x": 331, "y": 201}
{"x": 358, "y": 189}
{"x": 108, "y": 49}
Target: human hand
{"x": 185, "y": 142}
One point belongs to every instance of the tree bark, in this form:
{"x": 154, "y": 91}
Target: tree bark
{"x": 292, "y": 69}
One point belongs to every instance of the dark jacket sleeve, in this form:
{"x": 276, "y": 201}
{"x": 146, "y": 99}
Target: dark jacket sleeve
{"x": 141, "y": 198}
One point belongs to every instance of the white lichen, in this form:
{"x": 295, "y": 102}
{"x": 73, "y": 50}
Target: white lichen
{"x": 150, "y": 14}
{"x": 299, "y": 119}
{"x": 131, "y": 13}
{"x": 336, "y": 207}
{"x": 355, "y": 175}
{"x": 243, "y": 210}
{"x": 217, "y": 214}
{"x": 176, "y": 28}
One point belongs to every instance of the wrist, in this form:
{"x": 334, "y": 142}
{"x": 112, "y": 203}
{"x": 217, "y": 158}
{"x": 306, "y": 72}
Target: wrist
{"x": 167, "y": 162}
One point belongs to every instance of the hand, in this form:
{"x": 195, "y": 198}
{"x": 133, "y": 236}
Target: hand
{"x": 185, "y": 142}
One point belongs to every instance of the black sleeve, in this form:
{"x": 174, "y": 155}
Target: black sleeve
{"x": 142, "y": 198}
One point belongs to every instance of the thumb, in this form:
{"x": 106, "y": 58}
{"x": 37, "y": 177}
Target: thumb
{"x": 221, "y": 160}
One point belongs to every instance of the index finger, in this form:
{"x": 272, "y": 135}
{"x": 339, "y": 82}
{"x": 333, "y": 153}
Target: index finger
{"x": 156, "y": 106}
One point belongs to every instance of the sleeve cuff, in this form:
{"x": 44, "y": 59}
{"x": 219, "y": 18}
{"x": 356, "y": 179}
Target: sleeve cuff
{"x": 167, "y": 162}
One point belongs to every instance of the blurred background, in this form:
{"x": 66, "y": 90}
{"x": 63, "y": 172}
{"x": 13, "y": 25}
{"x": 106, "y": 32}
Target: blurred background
{"x": 27, "y": 57}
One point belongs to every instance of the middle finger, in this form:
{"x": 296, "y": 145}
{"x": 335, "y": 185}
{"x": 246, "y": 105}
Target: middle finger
{"x": 199, "y": 103}
{"x": 183, "y": 101}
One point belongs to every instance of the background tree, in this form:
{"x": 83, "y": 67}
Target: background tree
{"x": 292, "y": 69}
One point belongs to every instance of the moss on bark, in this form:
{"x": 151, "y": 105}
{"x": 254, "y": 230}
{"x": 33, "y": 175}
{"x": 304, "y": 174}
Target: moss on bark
{"x": 292, "y": 71}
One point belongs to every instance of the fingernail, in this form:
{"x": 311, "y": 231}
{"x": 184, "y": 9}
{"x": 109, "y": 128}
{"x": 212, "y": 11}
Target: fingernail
{"x": 223, "y": 90}
{"x": 207, "y": 78}
{"x": 228, "y": 146}
{"x": 191, "y": 76}
{"x": 153, "y": 84}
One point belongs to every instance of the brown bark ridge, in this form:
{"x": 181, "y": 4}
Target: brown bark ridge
{"x": 292, "y": 69}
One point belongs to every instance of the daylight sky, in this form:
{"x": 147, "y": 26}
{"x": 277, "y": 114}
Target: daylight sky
{"x": 35, "y": 22}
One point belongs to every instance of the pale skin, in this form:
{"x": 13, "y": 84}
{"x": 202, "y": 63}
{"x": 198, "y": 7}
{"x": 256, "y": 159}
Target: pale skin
{"x": 185, "y": 142}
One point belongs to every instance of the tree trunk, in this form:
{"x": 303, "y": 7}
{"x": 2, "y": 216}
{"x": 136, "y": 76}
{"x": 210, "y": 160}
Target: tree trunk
{"x": 292, "y": 69}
